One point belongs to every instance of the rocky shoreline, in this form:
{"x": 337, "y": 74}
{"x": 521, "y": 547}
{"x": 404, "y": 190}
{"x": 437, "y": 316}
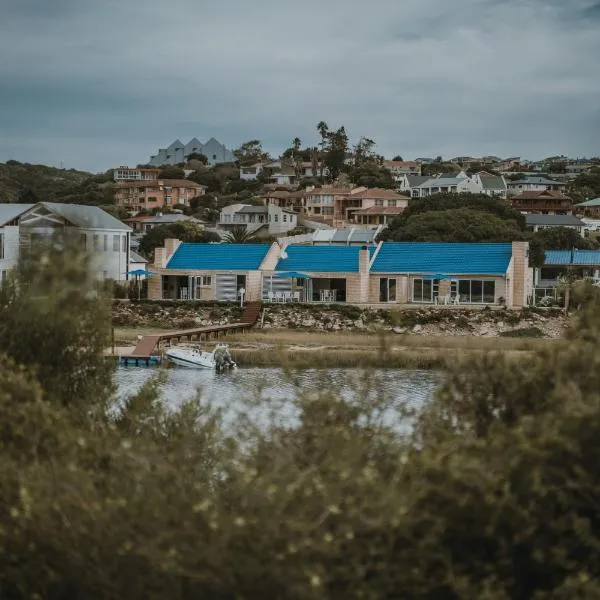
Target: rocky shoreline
{"x": 547, "y": 323}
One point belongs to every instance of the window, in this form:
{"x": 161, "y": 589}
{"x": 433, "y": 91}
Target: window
{"x": 151, "y": 198}
{"x": 116, "y": 243}
{"x": 168, "y": 200}
{"x": 276, "y": 218}
{"x": 392, "y": 203}
{"x": 1, "y": 245}
{"x": 285, "y": 218}
{"x": 206, "y": 280}
{"x": 214, "y": 157}
{"x": 387, "y": 290}
{"x": 124, "y": 246}
{"x": 379, "y": 202}
{"x": 105, "y": 242}
{"x": 83, "y": 240}
{"x": 475, "y": 291}
{"x": 96, "y": 242}
{"x": 425, "y": 290}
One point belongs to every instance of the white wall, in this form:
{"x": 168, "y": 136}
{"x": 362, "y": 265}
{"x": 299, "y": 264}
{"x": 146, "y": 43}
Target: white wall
{"x": 11, "y": 248}
{"x": 109, "y": 263}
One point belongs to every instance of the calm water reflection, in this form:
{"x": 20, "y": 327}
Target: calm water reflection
{"x": 269, "y": 391}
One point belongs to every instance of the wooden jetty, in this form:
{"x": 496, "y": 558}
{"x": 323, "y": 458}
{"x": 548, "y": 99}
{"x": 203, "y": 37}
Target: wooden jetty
{"x": 146, "y": 349}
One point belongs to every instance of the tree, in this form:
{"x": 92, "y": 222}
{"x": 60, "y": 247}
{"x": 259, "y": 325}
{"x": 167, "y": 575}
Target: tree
{"x": 334, "y": 149}
{"x": 171, "y": 173}
{"x": 442, "y": 202}
{"x": 250, "y": 153}
{"x": 53, "y": 295}
{"x": 370, "y": 174}
{"x": 397, "y": 158}
{"x": 458, "y": 225}
{"x": 186, "y": 231}
{"x": 198, "y": 156}
{"x": 207, "y": 177}
{"x": 563, "y": 238}
{"x": 240, "y": 234}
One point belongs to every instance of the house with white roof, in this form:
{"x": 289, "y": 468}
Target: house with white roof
{"x": 535, "y": 184}
{"x": 101, "y": 234}
{"x": 458, "y": 184}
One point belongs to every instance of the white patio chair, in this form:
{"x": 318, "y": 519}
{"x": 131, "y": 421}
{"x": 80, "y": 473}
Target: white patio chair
{"x": 447, "y": 299}
{"x": 279, "y": 297}
{"x": 287, "y": 296}
{"x": 296, "y": 296}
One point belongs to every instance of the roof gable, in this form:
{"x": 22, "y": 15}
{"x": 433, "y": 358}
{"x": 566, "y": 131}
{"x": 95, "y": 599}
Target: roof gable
{"x": 451, "y": 258}
{"x": 9, "y": 212}
{"x": 78, "y": 215}
{"x": 215, "y": 257}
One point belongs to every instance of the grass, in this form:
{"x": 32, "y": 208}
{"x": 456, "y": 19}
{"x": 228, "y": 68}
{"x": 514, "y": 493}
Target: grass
{"x": 303, "y": 349}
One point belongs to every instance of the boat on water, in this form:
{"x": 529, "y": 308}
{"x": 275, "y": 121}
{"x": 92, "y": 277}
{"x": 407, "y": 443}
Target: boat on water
{"x": 195, "y": 358}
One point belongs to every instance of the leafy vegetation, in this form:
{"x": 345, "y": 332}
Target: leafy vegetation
{"x": 488, "y": 492}
{"x": 185, "y": 231}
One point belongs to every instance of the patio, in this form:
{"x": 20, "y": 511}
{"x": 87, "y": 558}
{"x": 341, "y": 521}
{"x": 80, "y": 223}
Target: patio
{"x": 292, "y": 286}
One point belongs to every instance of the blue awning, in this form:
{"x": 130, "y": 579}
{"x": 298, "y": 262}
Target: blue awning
{"x": 292, "y": 274}
{"x": 437, "y": 276}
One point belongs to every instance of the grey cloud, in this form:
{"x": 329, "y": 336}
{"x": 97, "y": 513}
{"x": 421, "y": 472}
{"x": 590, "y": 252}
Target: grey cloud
{"x": 101, "y": 83}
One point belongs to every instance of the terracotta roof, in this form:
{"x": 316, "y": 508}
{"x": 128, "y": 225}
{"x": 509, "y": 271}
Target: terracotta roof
{"x": 380, "y": 193}
{"x": 381, "y": 210}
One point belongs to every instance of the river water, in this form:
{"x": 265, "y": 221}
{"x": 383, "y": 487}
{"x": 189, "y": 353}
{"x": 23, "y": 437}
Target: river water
{"x": 271, "y": 392}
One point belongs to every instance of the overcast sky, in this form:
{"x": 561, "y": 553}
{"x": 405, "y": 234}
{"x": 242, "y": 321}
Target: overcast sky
{"x": 98, "y": 83}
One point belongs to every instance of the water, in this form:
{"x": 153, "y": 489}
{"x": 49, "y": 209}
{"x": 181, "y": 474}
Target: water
{"x": 267, "y": 395}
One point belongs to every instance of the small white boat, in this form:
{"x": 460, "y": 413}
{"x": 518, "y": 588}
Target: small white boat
{"x": 194, "y": 358}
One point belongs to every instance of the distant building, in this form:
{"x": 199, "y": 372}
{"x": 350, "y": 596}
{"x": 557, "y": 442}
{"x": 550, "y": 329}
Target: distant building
{"x": 398, "y": 168}
{"x": 139, "y": 195}
{"x": 124, "y": 173}
{"x": 144, "y": 223}
{"x": 536, "y": 222}
{"x": 547, "y": 202}
{"x": 101, "y": 234}
{"x": 177, "y": 152}
{"x": 261, "y": 220}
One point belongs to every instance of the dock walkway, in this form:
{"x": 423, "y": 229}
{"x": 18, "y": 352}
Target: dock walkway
{"x": 147, "y": 347}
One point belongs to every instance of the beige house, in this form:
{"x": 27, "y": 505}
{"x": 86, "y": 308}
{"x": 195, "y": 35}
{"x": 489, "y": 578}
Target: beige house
{"x": 387, "y": 273}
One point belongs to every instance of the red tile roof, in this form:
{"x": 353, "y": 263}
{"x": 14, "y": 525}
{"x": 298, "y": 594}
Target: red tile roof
{"x": 381, "y": 210}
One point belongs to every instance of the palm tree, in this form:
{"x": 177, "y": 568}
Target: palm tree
{"x": 239, "y": 235}
{"x": 296, "y": 143}
{"x": 323, "y": 130}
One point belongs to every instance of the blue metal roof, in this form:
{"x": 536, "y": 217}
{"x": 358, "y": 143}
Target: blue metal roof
{"x": 321, "y": 259}
{"x": 219, "y": 257}
{"x": 434, "y": 257}
{"x": 579, "y": 257}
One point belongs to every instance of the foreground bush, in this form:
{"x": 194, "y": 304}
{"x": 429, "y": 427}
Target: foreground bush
{"x": 490, "y": 493}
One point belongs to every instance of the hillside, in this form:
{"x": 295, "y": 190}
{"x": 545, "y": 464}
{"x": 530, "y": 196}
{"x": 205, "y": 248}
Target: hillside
{"x": 24, "y": 182}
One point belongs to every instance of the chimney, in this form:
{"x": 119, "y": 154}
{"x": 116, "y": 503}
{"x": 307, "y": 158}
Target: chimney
{"x": 520, "y": 276}
{"x": 171, "y": 246}
{"x": 364, "y": 259}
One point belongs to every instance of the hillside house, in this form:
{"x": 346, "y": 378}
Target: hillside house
{"x": 546, "y": 202}
{"x": 535, "y": 184}
{"x": 160, "y": 193}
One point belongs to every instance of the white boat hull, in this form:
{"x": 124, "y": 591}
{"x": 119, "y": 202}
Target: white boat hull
{"x": 191, "y": 359}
